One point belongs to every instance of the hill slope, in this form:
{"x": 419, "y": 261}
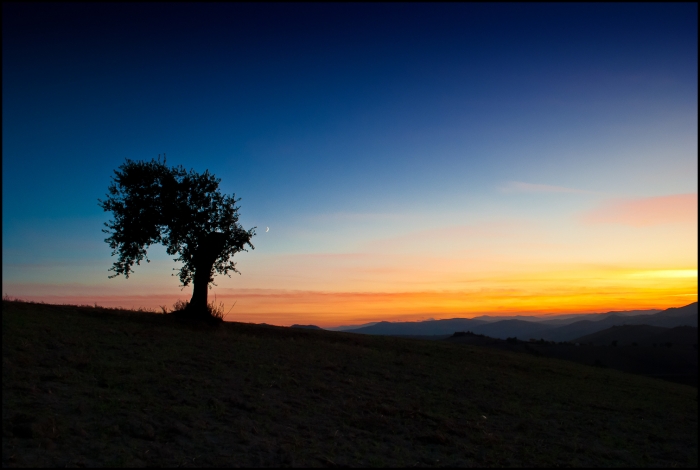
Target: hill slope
{"x": 672, "y": 317}
{"x": 552, "y": 328}
{"x": 431, "y": 327}
{"x": 652, "y": 357}
{"x": 680, "y": 335}
{"x": 508, "y": 328}
{"x": 92, "y": 387}
{"x": 624, "y": 334}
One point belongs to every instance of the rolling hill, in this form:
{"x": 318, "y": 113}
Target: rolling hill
{"x": 423, "y": 328}
{"x": 508, "y": 328}
{"x": 562, "y": 328}
{"x": 86, "y": 386}
{"x": 643, "y": 335}
{"x": 624, "y": 334}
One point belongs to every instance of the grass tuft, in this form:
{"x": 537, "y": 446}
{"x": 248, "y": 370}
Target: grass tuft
{"x": 216, "y": 311}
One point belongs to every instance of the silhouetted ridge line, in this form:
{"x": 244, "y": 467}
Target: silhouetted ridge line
{"x": 564, "y": 328}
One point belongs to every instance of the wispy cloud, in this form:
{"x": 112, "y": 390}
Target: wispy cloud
{"x": 666, "y": 273}
{"x": 646, "y": 211}
{"x": 520, "y": 187}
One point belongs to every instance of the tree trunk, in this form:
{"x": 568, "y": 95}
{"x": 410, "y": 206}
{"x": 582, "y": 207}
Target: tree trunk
{"x": 207, "y": 251}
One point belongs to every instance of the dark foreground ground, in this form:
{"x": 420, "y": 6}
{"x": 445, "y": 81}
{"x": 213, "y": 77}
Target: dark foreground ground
{"x": 675, "y": 362}
{"x": 93, "y": 387}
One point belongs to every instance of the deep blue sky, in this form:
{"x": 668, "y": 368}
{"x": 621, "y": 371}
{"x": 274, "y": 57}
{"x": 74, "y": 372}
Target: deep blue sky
{"x": 313, "y": 109}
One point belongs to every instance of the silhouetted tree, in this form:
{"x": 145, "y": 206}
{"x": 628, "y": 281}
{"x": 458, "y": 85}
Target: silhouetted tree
{"x": 186, "y": 212}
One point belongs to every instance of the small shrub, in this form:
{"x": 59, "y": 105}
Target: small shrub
{"x": 459, "y": 333}
{"x": 180, "y": 305}
{"x": 216, "y": 311}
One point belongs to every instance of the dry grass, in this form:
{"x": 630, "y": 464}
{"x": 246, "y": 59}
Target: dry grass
{"x": 84, "y": 386}
{"x": 216, "y": 311}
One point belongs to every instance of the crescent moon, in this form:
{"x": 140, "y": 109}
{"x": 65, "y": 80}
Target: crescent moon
{"x": 267, "y": 229}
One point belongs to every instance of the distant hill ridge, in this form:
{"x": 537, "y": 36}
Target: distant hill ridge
{"x": 308, "y": 327}
{"x": 558, "y": 328}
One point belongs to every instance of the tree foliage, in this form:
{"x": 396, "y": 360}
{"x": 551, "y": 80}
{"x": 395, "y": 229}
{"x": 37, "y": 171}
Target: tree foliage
{"x": 153, "y": 203}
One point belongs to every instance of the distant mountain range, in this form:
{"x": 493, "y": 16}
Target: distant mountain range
{"x": 551, "y": 328}
{"x": 349, "y": 327}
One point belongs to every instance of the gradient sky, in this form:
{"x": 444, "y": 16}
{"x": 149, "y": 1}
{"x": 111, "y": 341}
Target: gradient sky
{"x": 411, "y": 161}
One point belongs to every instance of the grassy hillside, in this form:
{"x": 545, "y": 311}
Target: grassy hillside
{"x": 88, "y": 386}
{"x": 678, "y": 363}
{"x": 644, "y": 334}
{"x": 623, "y": 334}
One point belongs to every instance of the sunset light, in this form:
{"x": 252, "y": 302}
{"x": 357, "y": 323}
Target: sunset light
{"x": 672, "y": 273}
{"x": 350, "y": 234}
{"x": 466, "y": 161}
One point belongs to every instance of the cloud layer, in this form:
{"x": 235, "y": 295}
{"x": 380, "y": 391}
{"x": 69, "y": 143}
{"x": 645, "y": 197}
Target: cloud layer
{"x": 677, "y": 208}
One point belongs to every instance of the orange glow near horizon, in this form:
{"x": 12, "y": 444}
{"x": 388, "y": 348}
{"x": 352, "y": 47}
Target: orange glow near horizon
{"x": 355, "y": 270}
{"x": 526, "y": 294}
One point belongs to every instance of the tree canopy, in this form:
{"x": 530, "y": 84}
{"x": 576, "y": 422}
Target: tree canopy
{"x": 153, "y": 203}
